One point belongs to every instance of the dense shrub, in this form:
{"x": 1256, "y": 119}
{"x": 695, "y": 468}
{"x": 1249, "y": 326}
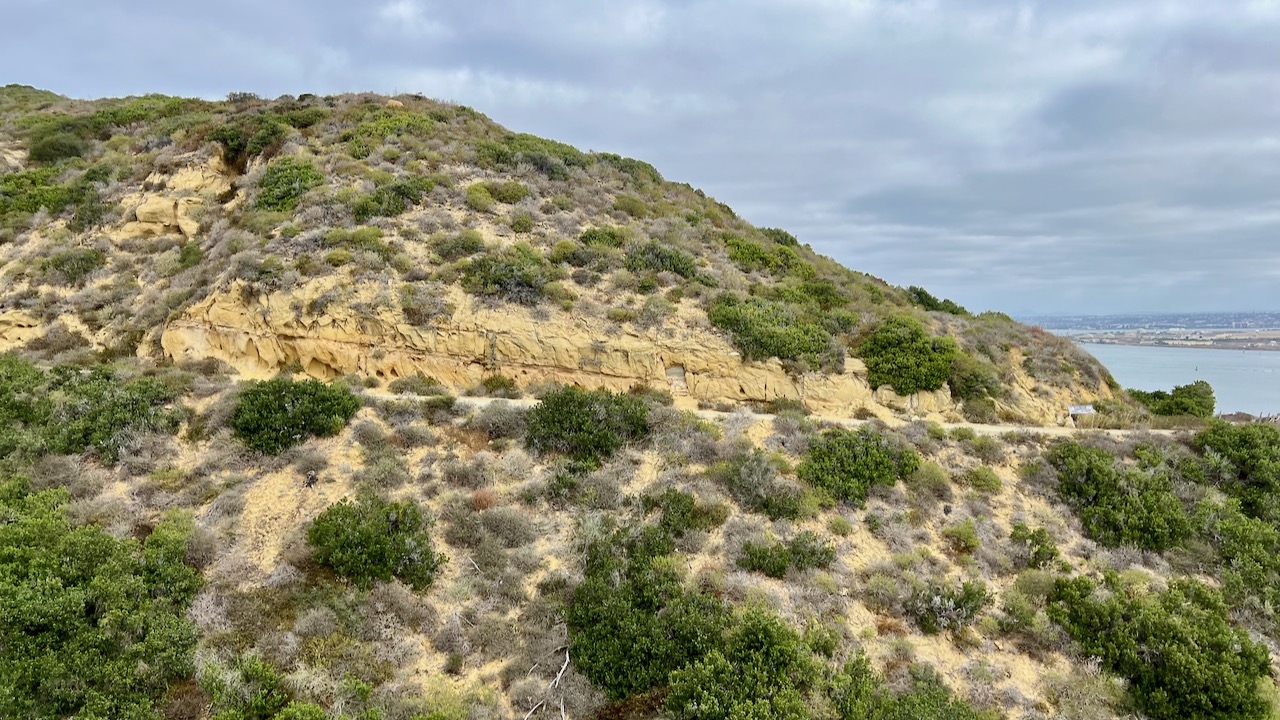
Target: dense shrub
{"x": 518, "y": 274}
{"x": 71, "y": 267}
{"x": 901, "y": 354}
{"x": 371, "y": 540}
{"x": 276, "y": 414}
{"x": 631, "y": 623}
{"x": 780, "y": 236}
{"x": 70, "y": 410}
{"x": 761, "y": 329}
{"x": 1247, "y": 464}
{"x": 750, "y": 255}
{"x": 681, "y": 512}
{"x": 363, "y": 239}
{"x": 1195, "y": 399}
{"x": 806, "y": 551}
{"x": 847, "y": 464}
{"x": 392, "y": 198}
{"x": 857, "y": 693}
{"x": 607, "y": 236}
{"x": 763, "y": 669}
{"x": 248, "y": 137}
{"x": 464, "y": 244}
{"x": 479, "y": 198}
{"x": 1036, "y": 548}
{"x": 924, "y": 299}
{"x": 588, "y": 426}
{"x": 1177, "y": 648}
{"x": 94, "y": 626}
{"x": 284, "y": 182}
{"x": 1119, "y": 506}
{"x": 56, "y": 147}
{"x": 251, "y": 689}
{"x": 660, "y": 258}
{"x": 753, "y": 480}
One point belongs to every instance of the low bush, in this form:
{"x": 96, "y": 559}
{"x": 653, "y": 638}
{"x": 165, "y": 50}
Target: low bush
{"x": 962, "y": 538}
{"x": 284, "y": 182}
{"x": 95, "y": 626}
{"x": 1195, "y": 399}
{"x": 71, "y": 267}
{"x": 606, "y": 236}
{"x": 763, "y": 669}
{"x": 456, "y": 247}
{"x": 392, "y": 198}
{"x": 899, "y": 353}
{"x": 806, "y": 551}
{"x": 938, "y": 607}
{"x": 277, "y": 414}
{"x": 1246, "y": 464}
{"x": 858, "y": 693}
{"x": 1177, "y": 649}
{"x": 656, "y": 257}
{"x": 1034, "y": 548}
{"x": 753, "y": 480}
{"x": 479, "y": 198}
{"x": 982, "y": 479}
{"x": 518, "y": 274}
{"x": 847, "y": 463}
{"x": 587, "y": 426}
{"x": 761, "y": 329}
{"x": 750, "y": 255}
{"x": 926, "y": 300}
{"x": 1119, "y": 506}
{"x": 681, "y": 512}
{"x": 372, "y": 540}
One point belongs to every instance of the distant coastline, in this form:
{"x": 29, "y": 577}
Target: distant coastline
{"x": 1258, "y": 331}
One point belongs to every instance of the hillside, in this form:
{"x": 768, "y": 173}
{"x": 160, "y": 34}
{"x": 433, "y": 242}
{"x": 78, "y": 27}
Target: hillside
{"x": 365, "y": 407}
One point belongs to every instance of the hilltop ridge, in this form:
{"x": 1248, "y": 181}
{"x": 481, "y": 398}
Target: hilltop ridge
{"x": 386, "y": 237}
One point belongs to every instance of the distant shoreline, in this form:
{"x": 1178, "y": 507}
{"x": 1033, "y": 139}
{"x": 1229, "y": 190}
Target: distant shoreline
{"x": 1261, "y": 344}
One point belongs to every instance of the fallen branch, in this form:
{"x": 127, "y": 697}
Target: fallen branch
{"x": 531, "y": 710}
{"x": 560, "y": 674}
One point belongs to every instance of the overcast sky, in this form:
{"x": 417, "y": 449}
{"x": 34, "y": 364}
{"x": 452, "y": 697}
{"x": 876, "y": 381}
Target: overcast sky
{"x": 1033, "y": 157}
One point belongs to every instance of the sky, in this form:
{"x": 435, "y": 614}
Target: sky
{"x": 1031, "y": 157}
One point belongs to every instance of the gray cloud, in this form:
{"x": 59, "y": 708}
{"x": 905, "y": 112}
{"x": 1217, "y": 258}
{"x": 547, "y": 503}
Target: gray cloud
{"x": 1027, "y": 156}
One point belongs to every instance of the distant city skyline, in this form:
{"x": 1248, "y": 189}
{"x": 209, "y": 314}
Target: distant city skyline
{"x": 1030, "y": 157}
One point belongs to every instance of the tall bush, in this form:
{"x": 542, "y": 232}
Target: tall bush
{"x": 901, "y": 354}
{"x": 372, "y": 540}
{"x": 275, "y": 415}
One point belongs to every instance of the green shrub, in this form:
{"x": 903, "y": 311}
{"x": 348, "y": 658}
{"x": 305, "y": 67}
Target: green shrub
{"x": 924, "y": 299}
{"x": 521, "y": 222}
{"x": 56, "y": 147}
{"x": 761, "y": 329}
{"x": 249, "y": 137}
{"x": 847, "y": 464}
{"x": 417, "y": 384}
{"x": 606, "y": 236}
{"x": 983, "y": 479}
{"x": 254, "y": 690}
{"x": 763, "y": 669}
{"x": 372, "y": 540}
{"x": 1177, "y": 648}
{"x": 464, "y": 244}
{"x": 769, "y": 559}
{"x": 631, "y": 205}
{"x": 752, "y": 479}
{"x": 189, "y": 256}
{"x": 973, "y": 380}
{"x": 901, "y": 354}
{"x": 938, "y": 607}
{"x": 1248, "y": 464}
{"x": 71, "y": 410}
{"x": 363, "y": 239}
{"x": 750, "y": 256}
{"x": 1040, "y": 549}
{"x": 479, "y": 198}
{"x": 95, "y": 626}
{"x": 962, "y": 537}
{"x": 1119, "y": 506}
{"x": 681, "y": 512}
{"x": 284, "y": 182}
{"x": 71, "y": 267}
{"x": 518, "y": 274}
{"x": 507, "y": 192}
{"x": 657, "y": 257}
{"x": 587, "y": 426}
{"x": 1195, "y": 399}
{"x": 391, "y": 199}
{"x": 274, "y": 415}
{"x": 780, "y": 236}
{"x": 857, "y": 693}
{"x": 631, "y": 623}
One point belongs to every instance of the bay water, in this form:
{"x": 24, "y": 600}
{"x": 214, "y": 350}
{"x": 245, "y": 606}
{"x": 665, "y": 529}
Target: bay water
{"x": 1242, "y": 380}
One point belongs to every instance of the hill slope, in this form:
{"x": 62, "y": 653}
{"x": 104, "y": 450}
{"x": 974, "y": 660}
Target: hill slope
{"x": 236, "y": 480}
{"x": 387, "y": 238}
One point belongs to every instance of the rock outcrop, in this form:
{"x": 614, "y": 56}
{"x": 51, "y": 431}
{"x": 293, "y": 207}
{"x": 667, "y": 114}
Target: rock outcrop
{"x": 259, "y": 335}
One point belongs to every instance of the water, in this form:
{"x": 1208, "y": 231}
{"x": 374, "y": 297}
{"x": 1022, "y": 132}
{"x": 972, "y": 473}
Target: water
{"x": 1243, "y": 381}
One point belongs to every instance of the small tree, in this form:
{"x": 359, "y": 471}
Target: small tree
{"x": 275, "y": 415}
{"x": 374, "y": 540}
{"x": 901, "y": 354}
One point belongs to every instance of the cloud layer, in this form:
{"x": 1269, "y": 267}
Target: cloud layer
{"x": 1027, "y": 156}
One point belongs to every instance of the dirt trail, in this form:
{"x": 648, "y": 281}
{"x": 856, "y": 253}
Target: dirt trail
{"x": 977, "y": 428}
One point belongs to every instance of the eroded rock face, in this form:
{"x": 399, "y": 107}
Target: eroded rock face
{"x": 173, "y": 210}
{"x": 258, "y": 335}
{"x": 363, "y": 333}
{"x": 17, "y": 328}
